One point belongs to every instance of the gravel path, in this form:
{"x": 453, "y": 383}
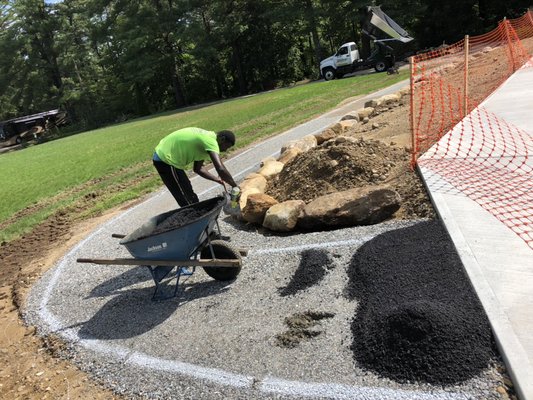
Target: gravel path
{"x": 221, "y": 341}
{"x": 217, "y": 340}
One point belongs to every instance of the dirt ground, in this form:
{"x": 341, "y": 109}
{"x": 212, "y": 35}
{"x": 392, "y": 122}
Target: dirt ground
{"x": 30, "y": 367}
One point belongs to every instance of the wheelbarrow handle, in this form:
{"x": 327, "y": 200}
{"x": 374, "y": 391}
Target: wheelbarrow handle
{"x": 210, "y": 262}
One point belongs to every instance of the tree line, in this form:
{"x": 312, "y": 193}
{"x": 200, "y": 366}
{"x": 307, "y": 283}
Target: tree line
{"x": 106, "y": 60}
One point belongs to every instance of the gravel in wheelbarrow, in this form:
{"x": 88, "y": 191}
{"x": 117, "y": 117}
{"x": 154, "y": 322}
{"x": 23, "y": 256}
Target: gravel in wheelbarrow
{"x": 175, "y": 234}
{"x": 175, "y": 239}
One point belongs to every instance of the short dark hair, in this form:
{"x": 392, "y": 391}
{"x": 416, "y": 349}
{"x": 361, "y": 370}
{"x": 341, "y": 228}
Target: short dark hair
{"x": 228, "y": 136}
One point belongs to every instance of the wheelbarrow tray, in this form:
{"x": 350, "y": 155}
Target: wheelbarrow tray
{"x": 176, "y": 239}
{"x": 167, "y": 237}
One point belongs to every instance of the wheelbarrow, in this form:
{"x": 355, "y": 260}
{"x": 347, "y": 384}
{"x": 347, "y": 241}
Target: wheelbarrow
{"x": 185, "y": 238}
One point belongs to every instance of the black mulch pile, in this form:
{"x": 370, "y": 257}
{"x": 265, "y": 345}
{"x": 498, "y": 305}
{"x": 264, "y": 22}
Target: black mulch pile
{"x": 419, "y": 318}
{"x": 312, "y": 268}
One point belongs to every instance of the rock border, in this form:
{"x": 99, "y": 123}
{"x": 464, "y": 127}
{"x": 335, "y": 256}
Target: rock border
{"x": 261, "y": 209}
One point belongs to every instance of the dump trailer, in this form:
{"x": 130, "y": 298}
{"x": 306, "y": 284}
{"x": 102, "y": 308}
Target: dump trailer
{"x": 18, "y": 130}
{"x": 383, "y": 32}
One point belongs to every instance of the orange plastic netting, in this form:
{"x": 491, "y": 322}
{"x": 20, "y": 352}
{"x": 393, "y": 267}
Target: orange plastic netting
{"x": 476, "y": 152}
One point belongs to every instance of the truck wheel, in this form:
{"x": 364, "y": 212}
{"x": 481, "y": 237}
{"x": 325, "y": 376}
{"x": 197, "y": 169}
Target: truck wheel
{"x": 328, "y": 74}
{"x": 380, "y": 66}
{"x": 223, "y": 251}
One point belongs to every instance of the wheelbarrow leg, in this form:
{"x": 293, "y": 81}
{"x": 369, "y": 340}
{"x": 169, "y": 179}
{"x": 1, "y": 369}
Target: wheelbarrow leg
{"x": 159, "y": 273}
{"x": 216, "y": 233}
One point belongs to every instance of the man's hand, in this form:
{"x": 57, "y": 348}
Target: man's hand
{"x": 221, "y": 169}
{"x": 221, "y": 182}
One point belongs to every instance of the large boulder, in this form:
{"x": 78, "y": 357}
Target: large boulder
{"x": 366, "y": 112}
{"x": 336, "y": 127}
{"x": 282, "y": 217}
{"x": 244, "y": 196}
{"x": 373, "y": 103}
{"x": 404, "y": 91}
{"x": 288, "y": 155}
{"x": 359, "y": 206}
{"x": 389, "y": 99}
{"x": 256, "y": 207}
{"x": 304, "y": 144}
{"x": 325, "y": 135}
{"x": 271, "y": 168}
{"x": 351, "y": 115}
{"x": 347, "y": 124}
{"x": 266, "y": 160}
{"x": 254, "y": 181}
{"x": 252, "y": 175}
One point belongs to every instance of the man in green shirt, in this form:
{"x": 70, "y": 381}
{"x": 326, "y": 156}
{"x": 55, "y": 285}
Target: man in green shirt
{"x": 191, "y": 147}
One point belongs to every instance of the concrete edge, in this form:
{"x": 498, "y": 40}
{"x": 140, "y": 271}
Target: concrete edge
{"x": 511, "y": 350}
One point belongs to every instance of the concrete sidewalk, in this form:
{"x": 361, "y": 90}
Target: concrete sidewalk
{"x": 498, "y": 261}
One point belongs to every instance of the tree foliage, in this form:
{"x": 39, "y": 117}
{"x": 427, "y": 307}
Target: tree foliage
{"x": 106, "y": 60}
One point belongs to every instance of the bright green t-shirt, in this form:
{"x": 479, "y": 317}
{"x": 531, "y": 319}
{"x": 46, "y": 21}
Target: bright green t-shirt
{"x": 185, "y": 146}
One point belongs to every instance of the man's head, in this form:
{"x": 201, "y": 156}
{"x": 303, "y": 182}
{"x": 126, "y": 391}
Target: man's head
{"x": 225, "y": 140}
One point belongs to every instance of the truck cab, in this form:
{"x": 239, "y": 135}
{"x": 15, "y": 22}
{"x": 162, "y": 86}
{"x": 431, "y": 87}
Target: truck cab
{"x": 341, "y": 62}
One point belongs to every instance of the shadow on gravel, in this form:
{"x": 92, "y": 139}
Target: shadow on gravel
{"x": 132, "y": 312}
{"x": 113, "y": 286}
{"x": 419, "y": 318}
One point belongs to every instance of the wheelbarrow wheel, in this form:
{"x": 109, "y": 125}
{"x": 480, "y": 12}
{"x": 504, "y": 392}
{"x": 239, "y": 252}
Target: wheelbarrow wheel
{"x": 223, "y": 251}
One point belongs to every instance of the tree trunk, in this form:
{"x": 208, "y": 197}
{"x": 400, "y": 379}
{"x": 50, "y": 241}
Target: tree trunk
{"x": 177, "y": 87}
{"x": 220, "y": 82}
{"x": 241, "y": 81}
{"x": 311, "y": 20}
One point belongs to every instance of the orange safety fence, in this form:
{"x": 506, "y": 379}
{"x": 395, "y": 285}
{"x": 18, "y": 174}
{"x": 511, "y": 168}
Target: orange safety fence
{"x": 474, "y": 150}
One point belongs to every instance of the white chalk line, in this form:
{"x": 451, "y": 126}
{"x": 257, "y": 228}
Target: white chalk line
{"x": 215, "y": 375}
{"x": 210, "y": 374}
{"x": 341, "y": 392}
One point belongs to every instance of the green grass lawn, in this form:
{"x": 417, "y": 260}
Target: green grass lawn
{"x": 54, "y": 175}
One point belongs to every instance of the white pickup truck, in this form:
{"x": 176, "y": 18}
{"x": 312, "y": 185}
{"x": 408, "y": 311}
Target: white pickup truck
{"x": 346, "y": 60}
{"x": 381, "y": 29}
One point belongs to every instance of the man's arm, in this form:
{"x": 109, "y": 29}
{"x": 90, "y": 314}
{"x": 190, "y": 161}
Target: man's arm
{"x": 200, "y": 169}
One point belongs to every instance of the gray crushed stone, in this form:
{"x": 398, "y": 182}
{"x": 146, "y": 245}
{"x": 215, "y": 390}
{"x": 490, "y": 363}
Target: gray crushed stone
{"x": 217, "y": 340}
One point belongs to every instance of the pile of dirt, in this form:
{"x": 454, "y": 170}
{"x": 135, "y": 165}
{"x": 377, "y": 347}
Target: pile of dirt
{"x": 444, "y": 338}
{"x": 351, "y": 161}
{"x": 299, "y": 325}
{"x": 335, "y": 166}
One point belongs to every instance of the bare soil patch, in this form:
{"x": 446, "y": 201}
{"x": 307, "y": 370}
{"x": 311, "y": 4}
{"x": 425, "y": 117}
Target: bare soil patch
{"x": 300, "y": 325}
{"x": 31, "y": 367}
